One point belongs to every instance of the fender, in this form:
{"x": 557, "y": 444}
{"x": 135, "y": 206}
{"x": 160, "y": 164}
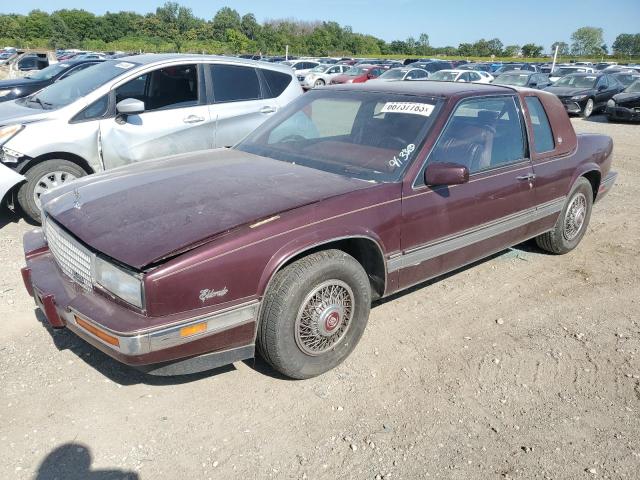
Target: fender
{"x": 8, "y": 179}
{"x": 315, "y": 239}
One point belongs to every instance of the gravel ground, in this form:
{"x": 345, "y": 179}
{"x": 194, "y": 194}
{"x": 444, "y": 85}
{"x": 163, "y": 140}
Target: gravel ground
{"x": 523, "y": 366}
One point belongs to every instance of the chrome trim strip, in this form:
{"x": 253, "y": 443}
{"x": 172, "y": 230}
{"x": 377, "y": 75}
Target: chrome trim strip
{"x": 162, "y": 338}
{"x": 442, "y": 246}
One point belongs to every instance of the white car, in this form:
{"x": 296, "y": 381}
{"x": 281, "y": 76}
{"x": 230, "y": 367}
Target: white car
{"x": 474, "y": 76}
{"x": 402, "y": 73}
{"x": 320, "y": 75}
{"x": 133, "y": 109}
{"x": 563, "y": 70}
{"x": 301, "y": 67}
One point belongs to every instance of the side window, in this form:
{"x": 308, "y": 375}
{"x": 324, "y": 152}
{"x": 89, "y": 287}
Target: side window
{"x": 334, "y": 70}
{"x": 474, "y": 76}
{"x": 233, "y": 83}
{"x": 420, "y": 74}
{"x": 482, "y": 133}
{"x": 602, "y": 81}
{"x": 465, "y": 77}
{"x": 96, "y": 110}
{"x": 172, "y": 87}
{"x": 542, "y": 134}
{"x": 133, "y": 89}
{"x": 277, "y": 82}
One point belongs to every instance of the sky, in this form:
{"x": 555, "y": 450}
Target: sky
{"x": 447, "y": 22}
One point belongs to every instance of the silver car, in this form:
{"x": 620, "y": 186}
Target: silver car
{"x": 320, "y": 75}
{"x": 132, "y": 109}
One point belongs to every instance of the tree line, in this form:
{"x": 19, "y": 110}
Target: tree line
{"x": 173, "y": 27}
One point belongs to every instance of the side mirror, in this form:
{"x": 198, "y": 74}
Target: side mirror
{"x": 446, "y": 174}
{"x": 130, "y": 106}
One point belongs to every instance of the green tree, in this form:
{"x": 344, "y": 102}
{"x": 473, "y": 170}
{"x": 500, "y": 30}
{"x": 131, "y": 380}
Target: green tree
{"x": 563, "y": 48}
{"x": 495, "y": 47}
{"x": 627, "y": 44}
{"x": 531, "y": 50}
{"x": 587, "y": 41}
{"x": 511, "y": 51}
{"x": 250, "y": 26}
{"x": 81, "y": 25}
{"x": 423, "y": 47}
{"x": 36, "y": 25}
{"x": 226, "y": 18}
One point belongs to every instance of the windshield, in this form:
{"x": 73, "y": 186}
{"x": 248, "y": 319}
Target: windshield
{"x": 576, "y": 81}
{"x": 82, "y": 83}
{"x": 367, "y": 135}
{"x": 356, "y": 71}
{"x": 444, "y": 76}
{"x": 516, "y": 79}
{"x": 633, "y": 88}
{"x": 49, "y": 72}
{"x": 394, "y": 74}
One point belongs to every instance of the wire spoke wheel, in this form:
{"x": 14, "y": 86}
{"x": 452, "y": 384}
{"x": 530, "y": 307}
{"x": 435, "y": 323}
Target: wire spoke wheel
{"x": 324, "y": 317}
{"x": 574, "y": 217}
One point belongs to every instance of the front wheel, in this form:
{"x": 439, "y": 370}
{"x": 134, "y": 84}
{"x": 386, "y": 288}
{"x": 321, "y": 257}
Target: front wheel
{"x": 314, "y": 313}
{"x": 319, "y": 83}
{"x": 40, "y": 179}
{"x": 588, "y": 109}
{"x": 572, "y": 222}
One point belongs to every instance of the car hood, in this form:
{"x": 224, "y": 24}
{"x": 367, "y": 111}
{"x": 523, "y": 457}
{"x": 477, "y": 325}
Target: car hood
{"x": 627, "y": 99}
{"x": 142, "y": 213}
{"x": 19, "y": 82}
{"x": 568, "y": 91}
{"x": 14, "y": 112}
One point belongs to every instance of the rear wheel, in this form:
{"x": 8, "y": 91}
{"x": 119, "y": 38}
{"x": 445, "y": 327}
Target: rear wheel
{"x": 588, "y": 108}
{"x": 572, "y": 222}
{"x": 42, "y": 178}
{"x": 314, "y": 314}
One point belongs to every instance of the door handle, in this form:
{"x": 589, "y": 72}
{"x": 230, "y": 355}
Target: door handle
{"x": 267, "y": 109}
{"x": 193, "y": 119}
{"x": 529, "y": 177}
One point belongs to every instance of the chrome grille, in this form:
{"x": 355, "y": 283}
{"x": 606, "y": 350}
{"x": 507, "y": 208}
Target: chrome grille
{"x": 73, "y": 259}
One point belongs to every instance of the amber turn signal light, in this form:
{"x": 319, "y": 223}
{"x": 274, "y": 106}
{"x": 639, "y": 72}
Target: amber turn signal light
{"x": 193, "y": 329}
{"x": 102, "y": 335}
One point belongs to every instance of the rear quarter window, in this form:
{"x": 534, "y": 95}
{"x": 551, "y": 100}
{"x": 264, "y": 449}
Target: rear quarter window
{"x": 277, "y": 82}
{"x": 542, "y": 134}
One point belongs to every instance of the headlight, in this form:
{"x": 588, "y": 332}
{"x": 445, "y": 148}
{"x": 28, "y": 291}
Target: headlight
{"x": 579, "y": 97}
{"x": 611, "y": 103}
{"x": 4, "y": 93}
{"x": 121, "y": 283}
{"x": 6, "y": 133}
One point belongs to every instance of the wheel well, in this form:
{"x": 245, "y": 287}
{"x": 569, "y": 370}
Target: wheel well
{"x": 364, "y": 250}
{"x": 81, "y": 162}
{"x": 594, "y": 179}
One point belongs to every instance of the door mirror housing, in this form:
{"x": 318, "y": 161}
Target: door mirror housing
{"x": 446, "y": 174}
{"x": 130, "y": 106}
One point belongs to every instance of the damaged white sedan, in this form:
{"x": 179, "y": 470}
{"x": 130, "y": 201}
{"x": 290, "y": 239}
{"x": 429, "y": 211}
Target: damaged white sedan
{"x": 133, "y": 109}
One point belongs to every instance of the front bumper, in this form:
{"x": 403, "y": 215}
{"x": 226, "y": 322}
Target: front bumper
{"x": 623, "y": 113}
{"x": 169, "y": 345}
{"x": 571, "y": 106}
{"x": 8, "y": 180}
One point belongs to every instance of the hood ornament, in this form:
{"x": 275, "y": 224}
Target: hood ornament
{"x": 77, "y": 204}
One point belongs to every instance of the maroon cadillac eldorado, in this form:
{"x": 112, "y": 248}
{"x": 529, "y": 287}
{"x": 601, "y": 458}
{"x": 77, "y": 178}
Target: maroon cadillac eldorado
{"x": 350, "y": 194}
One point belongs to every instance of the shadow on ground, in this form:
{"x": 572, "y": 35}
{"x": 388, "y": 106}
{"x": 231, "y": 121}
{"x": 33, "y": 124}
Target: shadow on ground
{"x": 72, "y": 461}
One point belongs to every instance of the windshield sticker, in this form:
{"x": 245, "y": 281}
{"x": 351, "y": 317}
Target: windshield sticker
{"x": 423, "y": 109}
{"x": 124, "y": 65}
{"x": 403, "y": 156}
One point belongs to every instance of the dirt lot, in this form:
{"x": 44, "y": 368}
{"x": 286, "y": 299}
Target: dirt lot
{"x": 524, "y": 366}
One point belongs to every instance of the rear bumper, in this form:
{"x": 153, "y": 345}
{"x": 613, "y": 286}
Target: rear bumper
{"x": 162, "y": 346}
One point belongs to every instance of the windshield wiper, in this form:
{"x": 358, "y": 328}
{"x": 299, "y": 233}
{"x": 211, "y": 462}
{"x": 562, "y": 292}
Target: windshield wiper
{"x": 42, "y": 104}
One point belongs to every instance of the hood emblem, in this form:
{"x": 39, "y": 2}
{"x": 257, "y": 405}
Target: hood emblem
{"x": 207, "y": 294}
{"x": 77, "y": 204}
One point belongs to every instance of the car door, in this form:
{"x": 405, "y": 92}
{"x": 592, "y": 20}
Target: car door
{"x": 175, "y": 120}
{"x": 237, "y": 105}
{"x": 445, "y": 227}
{"x": 603, "y": 91}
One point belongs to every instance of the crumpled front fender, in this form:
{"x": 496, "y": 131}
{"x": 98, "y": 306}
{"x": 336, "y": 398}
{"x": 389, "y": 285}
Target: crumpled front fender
{"x": 8, "y": 179}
